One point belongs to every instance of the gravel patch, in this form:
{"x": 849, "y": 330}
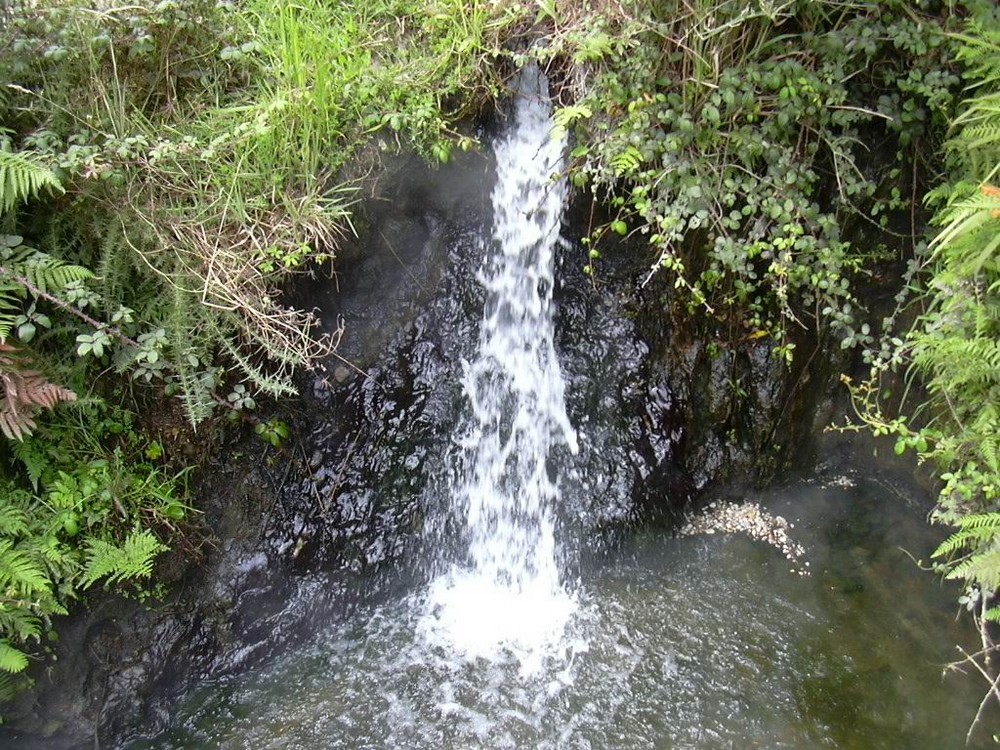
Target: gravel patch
{"x": 750, "y": 519}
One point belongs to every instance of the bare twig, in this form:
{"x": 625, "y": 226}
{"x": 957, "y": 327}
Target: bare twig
{"x": 993, "y": 691}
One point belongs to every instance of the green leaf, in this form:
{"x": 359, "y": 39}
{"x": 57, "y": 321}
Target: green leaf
{"x": 20, "y": 574}
{"x": 22, "y": 178}
{"x": 133, "y": 559}
{"x": 564, "y": 117}
{"x": 11, "y": 659}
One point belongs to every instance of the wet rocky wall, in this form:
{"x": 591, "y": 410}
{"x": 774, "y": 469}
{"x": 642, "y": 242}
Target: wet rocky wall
{"x": 708, "y": 404}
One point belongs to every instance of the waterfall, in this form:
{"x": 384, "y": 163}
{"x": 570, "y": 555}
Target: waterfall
{"x": 509, "y": 595}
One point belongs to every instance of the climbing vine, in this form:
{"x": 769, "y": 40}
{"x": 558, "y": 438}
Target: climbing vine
{"x": 745, "y": 144}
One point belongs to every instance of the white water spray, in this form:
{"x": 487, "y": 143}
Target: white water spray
{"x": 510, "y": 596}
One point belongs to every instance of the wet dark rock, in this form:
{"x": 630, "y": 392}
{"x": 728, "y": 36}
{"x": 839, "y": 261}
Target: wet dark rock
{"x": 731, "y": 411}
{"x": 384, "y": 281}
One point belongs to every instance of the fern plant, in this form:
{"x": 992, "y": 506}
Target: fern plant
{"x": 953, "y": 350}
{"x": 954, "y": 346}
{"x": 24, "y": 392}
{"x": 972, "y": 555}
{"x": 79, "y": 506}
{"x": 22, "y": 177}
{"x": 79, "y": 503}
{"x": 972, "y": 551}
{"x": 26, "y": 597}
{"x": 25, "y": 272}
{"x": 115, "y": 563}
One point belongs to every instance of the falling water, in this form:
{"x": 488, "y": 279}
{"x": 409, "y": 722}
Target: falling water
{"x": 509, "y": 595}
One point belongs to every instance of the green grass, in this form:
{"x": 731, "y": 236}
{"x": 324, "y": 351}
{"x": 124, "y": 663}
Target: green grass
{"x": 212, "y": 150}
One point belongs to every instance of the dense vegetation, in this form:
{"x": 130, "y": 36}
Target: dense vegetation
{"x": 748, "y": 143}
{"x": 953, "y": 348}
{"x": 166, "y": 167}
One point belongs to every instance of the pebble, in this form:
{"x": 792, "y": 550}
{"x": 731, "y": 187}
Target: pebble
{"x": 750, "y": 519}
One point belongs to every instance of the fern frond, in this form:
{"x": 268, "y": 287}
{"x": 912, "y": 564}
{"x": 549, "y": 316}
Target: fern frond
{"x": 981, "y": 521}
{"x": 33, "y": 458}
{"x": 982, "y": 568}
{"x": 10, "y": 307}
{"x": 22, "y": 178}
{"x": 627, "y": 162}
{"x": 12, "y": 660}
{"x": 18, "y": 620}
{"x": 13, "y": 520}
{"x": 24, "y": 269}
{"x": 20, "y": 575}
{"x": 133, "y": 559}
{"x": 971, "y": 232}
{"x": 24, "y": 392}
{"x": 15, "y": 425}
{"x": 958, "y": 364}
{"x": 50, "y": 274}
{"x": 982, "y": 135}
{"x": 973, "y": 530}
{"x": 59, "y": 558}
{"x": 30, "y": 387}
{"x": 989, "y": 448}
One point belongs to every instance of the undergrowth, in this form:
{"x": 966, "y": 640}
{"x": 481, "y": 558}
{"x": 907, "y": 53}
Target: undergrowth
{"x": 745, "y": 144}
{"x": 211, "y": 150}
{"x": 949, "y": 358}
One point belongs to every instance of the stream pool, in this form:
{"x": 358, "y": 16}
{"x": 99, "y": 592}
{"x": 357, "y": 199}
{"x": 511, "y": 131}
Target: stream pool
{"x": 705, "y": 642}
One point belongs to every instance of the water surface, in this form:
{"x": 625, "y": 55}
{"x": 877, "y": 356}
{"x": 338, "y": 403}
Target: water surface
{"x": 712, "y": 642}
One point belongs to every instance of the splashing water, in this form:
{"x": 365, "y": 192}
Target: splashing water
{"x": 510, "y": 596}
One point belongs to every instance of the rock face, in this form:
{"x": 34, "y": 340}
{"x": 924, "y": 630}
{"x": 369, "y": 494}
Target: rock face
{"x": 352, "y": 510}
{"x": 747, "y": 414}
{"x": 700, "y": 405}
